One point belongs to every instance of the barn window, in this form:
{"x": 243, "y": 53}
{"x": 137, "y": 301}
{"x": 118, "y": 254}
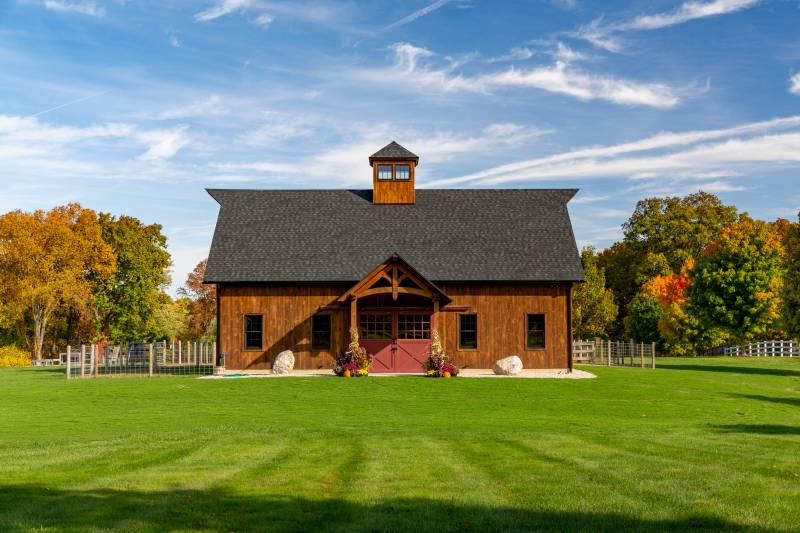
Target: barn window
{"x": 402, "y": 172}
{"x": 384, "y": 172}
{"x": 321, "y": 332}
{"x": 468, "y": 331}
{"x": 253, "y": 332}
{"x": 535, "y": 331}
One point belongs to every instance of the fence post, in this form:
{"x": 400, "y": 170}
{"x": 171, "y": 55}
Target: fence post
{"x": 83, "y": 358}
{"x": 653, "y": 353}
{"x": 69, "y": 361}
{"x": 150, "y": 354}
{"x": 92, "y": 359}
{"x": 609, "y": 352}
{"x": 641, "y": 354}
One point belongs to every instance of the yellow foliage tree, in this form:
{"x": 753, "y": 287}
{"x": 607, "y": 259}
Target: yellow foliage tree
{"x": 49, "y": 259}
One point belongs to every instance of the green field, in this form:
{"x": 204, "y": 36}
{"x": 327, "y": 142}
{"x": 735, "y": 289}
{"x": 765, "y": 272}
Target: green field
{"x": 702, "y": 443}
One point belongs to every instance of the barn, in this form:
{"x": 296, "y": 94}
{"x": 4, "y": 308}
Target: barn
{"x": 491, "y": 270}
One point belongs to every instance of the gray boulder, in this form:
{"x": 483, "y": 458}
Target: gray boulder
{"x": 508, "y": 366}
{"x": 284, "y": 362}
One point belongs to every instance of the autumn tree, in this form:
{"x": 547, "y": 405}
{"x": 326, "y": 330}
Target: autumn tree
{"x": 593, "y": 307}
{"x": 126, "y": 303}
{"x": 47, "y": 260}
{"x": 202, "y": 309}
{"x": 678, "y": 228}
{"x": 791, "y": 282}
{"x": 736, "y": 283}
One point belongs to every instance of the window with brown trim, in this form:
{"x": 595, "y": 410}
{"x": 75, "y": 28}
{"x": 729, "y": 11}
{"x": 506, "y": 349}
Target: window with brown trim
{"x": 253, "y": 332}
{"x": 384, "y": 172}
{"x": 535, "y": 331}
{"x": 468, "y": 331}
{"x": 402, "y": 172}
{"x": 321, "y": 332}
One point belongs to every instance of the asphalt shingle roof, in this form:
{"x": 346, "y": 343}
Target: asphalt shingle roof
{"x": 393, "y": 151}
{"x": 339, "y": 235}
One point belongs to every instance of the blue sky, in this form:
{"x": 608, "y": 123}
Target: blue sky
{"x": 136, "y": 107}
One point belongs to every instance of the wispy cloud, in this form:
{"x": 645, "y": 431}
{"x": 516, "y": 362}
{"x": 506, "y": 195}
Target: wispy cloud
{"x": 430, "y": 8}
{"x": 606, "y": 35}
{"x": 343, "y": 164}
{"x": 222, "y": 8}
{"x": 518, "y": 53}
{"x": 206, "y": 107}
{"x": 163, "y": 144}
{"x": 560, "y": 77}
{"x": 174, "y": 41}
{"x": 794, "y": 84}
{"x": 688, "y": 155}
{"x": 83, "y": 8}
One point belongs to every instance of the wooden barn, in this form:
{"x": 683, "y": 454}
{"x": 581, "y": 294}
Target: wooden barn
{"x": 491, "y": 270}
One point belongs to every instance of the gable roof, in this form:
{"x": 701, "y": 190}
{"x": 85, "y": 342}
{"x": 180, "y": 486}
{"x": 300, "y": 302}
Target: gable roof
{"x": 393, "y": 151}
{"x": 340, "y": 235}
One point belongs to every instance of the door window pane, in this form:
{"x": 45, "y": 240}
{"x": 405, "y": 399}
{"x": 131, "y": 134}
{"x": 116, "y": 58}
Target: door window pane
{"x": 413, "y": 326}
{"x": 376, "y": 326}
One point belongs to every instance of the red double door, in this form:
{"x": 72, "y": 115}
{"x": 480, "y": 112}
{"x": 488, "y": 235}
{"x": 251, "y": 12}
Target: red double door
{"x": 398, "y": 341}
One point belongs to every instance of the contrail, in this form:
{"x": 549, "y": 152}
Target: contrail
{"x": 82, "y": 99}
{"x": 417, "y": 14}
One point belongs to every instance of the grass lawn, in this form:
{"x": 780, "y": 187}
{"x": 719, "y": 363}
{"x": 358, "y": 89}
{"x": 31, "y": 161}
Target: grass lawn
{"x": 699, "y": 443}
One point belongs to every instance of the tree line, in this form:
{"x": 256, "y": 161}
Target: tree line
{"x": 70, "y": 275}
{"x": 692, "y": 273}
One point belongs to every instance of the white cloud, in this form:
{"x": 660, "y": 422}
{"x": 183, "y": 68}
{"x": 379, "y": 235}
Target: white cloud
{"x": 518, "y": 53}
{"x": 163, "y": 144}
{"x": 604, "y": 35}
{"x": 174, "y": 41}
{"x": 686, "y": 12}
{"x": 84, "y": 8}
{"x": 33, "y": 143}
{"x": 559, "y": 78}
{"x": 264, "y": 19}
{"x": 211, "y": 106}
{"x": 689, "y": 155}
{"x": 222, "y": 8}
{"x": 794, "y": 84}
{"x": 344, "y": 164}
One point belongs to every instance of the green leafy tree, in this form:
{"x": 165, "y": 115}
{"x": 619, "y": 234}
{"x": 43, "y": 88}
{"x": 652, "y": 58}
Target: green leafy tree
{"x": 126, "y": 303}
{"x": 791, "y": 285}
{"x": 678, "y": 228}
{"x": 171, "y": 318}
{"x": 736, "y": 282}
{"x": 593, "y": 307}
{"x": 644, "y": 314}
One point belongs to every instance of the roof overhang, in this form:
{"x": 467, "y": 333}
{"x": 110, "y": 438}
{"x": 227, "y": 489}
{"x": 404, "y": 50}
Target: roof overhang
{"x": 388, "y": 278}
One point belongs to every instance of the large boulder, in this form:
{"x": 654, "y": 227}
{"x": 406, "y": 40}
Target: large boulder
{"x": 284, "y": 362}
{"x": 508, "y": 366}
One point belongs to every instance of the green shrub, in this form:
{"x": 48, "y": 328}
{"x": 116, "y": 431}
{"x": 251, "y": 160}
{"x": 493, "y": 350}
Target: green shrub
{"x": 13, "y": 356}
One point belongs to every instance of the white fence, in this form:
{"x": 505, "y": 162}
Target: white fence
{"x": 614, "y": 353}
{"x": 765, "y": 349}
{"x": 141, "y": 358}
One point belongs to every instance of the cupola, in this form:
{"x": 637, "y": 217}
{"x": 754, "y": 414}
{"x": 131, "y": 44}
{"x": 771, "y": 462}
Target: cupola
{"x": 393, "y": 175}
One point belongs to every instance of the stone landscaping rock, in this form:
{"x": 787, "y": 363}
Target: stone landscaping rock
{"x": 508, "y": 366}
{"x": 284, "y": 362}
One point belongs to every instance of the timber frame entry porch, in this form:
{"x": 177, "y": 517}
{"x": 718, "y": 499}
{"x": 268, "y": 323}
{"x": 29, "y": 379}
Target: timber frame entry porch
{"x": 397, "y": 334}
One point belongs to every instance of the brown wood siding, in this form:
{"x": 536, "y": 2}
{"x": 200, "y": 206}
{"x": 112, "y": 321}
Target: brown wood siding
{"x": 287, "y": 312}
{"x": 392, "y": 191}
{"x": 501, "y": 312}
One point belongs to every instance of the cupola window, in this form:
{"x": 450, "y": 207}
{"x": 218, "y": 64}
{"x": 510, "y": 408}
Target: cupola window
{"x": 402, "y": 172}
{"x": 384, "y": 172}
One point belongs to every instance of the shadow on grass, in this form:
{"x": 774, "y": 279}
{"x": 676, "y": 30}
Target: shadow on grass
{"x": 733, "y": 369}
{"x": 25, "y": 507}
{"x": 787, "y": 401}
{"x": 763, "y": 429}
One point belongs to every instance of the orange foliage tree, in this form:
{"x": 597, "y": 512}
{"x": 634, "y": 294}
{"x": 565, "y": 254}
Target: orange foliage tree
{"x": 202, "y": 309}
{"x": 50, "y": 259}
